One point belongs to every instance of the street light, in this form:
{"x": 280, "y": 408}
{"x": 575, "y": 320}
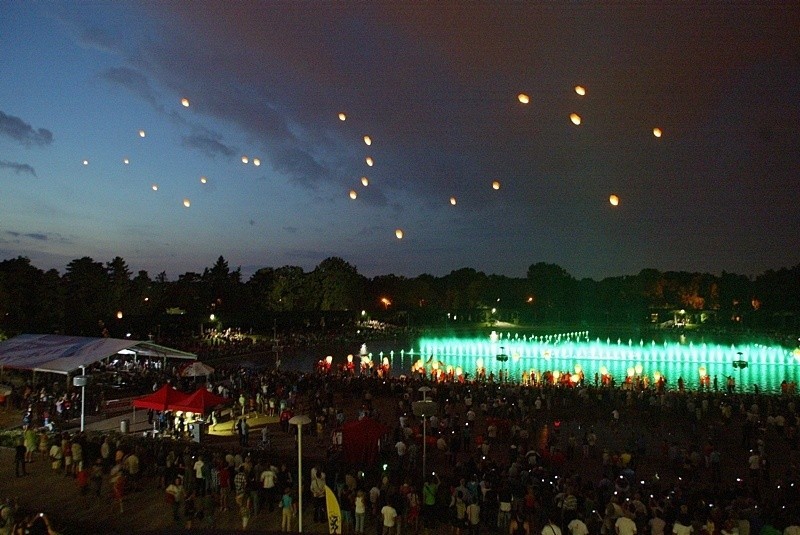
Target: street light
{"x": 300, "y": 421}
{"x": 424, "y": 409}
{"x": 740, "y": 364}
{"x": 82, "y": 380}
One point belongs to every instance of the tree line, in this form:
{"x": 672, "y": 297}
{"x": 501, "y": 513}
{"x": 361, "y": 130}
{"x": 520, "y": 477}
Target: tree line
{"x": 91, "y": 298}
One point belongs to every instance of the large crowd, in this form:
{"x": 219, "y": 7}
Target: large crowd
{"x": 501, "y": 457}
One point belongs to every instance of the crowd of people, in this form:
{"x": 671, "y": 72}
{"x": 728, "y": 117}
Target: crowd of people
{"x": 499, "y": 457}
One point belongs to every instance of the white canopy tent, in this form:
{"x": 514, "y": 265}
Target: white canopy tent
{"x": 54, "y": 353}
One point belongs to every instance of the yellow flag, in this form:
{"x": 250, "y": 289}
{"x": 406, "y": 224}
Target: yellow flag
{"x": 334, "y": 514}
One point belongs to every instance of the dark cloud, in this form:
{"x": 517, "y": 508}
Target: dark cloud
{"x": 32, "y": 235}
{"x": 133, "y": 81}
{"x": 98, "y": 39}
{"x": 299, "y": 166}
{"x": 19, "y": 130}
{"x": 208, "y": 144}
{"x": 18, "y": 167}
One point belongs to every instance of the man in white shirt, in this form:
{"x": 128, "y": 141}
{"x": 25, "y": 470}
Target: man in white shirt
{"x": 389, "y": 514}
{"x": 577, "y": 526}
{"x": 268, "y": 477}
{"x": 625, "y": 526}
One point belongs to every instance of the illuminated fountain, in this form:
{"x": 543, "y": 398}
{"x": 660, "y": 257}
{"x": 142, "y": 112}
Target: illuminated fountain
{"x": 766, "y": 366}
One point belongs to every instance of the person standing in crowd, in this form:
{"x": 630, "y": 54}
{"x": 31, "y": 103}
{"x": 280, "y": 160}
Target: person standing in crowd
{"x": 175, "y": 496}
{"x": 19, "y": 458}
{"x": 318, "y": 494}
{"x": 288, "y": 510}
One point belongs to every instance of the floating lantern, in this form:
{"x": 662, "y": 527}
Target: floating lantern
{"x": 119, "y": 314}
{"x": 245, "y": 159}
{"x": 575, "y": 378}
{"x": 203, "y": 180}
{"x": 479, "y": 362}
{"x": 613, "y": 200}
{"x": 631, "y": 371}
{"x": 126, "y": 161}
{"x": 367, "y": 140}
{"x": 154, "y": 187}
{"x": 459, "y": 371}
{"x": 638, "y": 369}
{"x": 353, "y": 194}
{"x": 399, "y": 234}
{"x": 142, "y": 133}
{"x": 523, "y": 98}
{"x": 386, "y": 361}
{"x": 603, "y": 370}
{"x": 350, "y": 358}
{"x": 453, "y": 201}
{"x": 329, "y": 360}
{"x": 656, "y": 376}
{"x": 578, "y": 368}
{"x": 702, "y": 371}
{"x": 187, "y": 203}
{"x": 657, "y": 132}
{"x": 85, "y": 162}
{"x": 556, "y": 375}
{"x": 496, "y": 184}
{"x": 256, "y": 162}
{"x": 364, "y": 181}
{"x": 575, "y": 118}
{"x": 342, "y": 116}
{"x": 370, "y": 161}
{"x": 185, "y": 102}
{"x": 579, "y": 89}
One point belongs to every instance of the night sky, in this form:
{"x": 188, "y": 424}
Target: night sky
{"x": 436, "y": 88}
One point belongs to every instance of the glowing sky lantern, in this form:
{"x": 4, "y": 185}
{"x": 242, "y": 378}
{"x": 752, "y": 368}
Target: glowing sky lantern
{"x": 630, "y": 371}
{"x": 367, "y": 140}
{"x": 496, "y": 184}
{"x": 187, "y": 203}
{"x": 657, "y": 132}
{"x": 523, "y": 98}
{"x": 185, "y": 102}
{"x": 575, "y": 118}
{"x": 85, "y": 162}
{"x": 603, "y": 370}
{"x": 342, "y": 116}
{"x": 203, "y": 180}
{"x": 369, "y": 160}
{"x": 579, "y": 89}
{"x": 613, "y": 200}
{"x": 119, "y": 314}
{"x": 154, "y": 187}
{"x": 353, "y": 194}
{"x": 245, "y": 159}
{"x": 453, "y": 201}
{"x": 702, "y": 371}
{"x": 574, "y": 377}
{"x": 638, "y": 369}
{"x": 126, "y": 161}
{"x": 479, "y": 363}
{"x": 399, "y": 234}
{"x": 142, "y": 133}
{"x": 256, "y": 162}
{"x": 364, "y": 181}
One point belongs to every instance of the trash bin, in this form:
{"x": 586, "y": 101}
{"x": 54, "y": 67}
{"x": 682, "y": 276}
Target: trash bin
{"x": 124, "y": 425}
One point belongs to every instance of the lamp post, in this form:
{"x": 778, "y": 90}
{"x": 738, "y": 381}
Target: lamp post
{"x": 300, "y": 421}
{"x": 81, "y": 381}
{"x": 740, "y": 364}
{"x": 424, "y": 409}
